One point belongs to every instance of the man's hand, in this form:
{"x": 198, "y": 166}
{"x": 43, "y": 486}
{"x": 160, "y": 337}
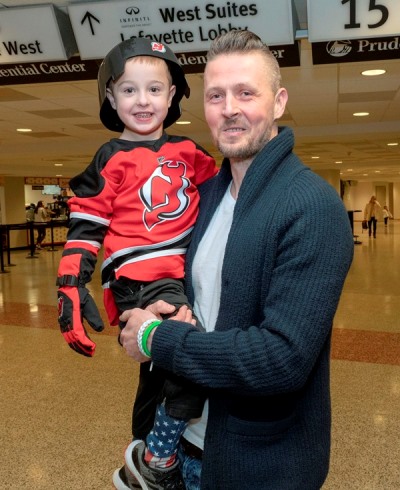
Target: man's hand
{"x": 134, "y": 319}
{"x": 74, "y": 305}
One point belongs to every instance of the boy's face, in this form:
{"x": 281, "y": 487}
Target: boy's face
{"x": 142, "y": 96}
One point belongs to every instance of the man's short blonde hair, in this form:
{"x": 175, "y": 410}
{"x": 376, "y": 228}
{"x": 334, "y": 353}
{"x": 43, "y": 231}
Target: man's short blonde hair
{"x": 243, "y": 42}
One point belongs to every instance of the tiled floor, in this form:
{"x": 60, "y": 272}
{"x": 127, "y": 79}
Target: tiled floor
{"x": 65, "y": 419}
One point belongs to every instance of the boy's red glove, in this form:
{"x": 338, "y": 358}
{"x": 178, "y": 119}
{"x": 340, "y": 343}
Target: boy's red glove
{"x": 74, "y": 301}
{"x": 74, "y": 305}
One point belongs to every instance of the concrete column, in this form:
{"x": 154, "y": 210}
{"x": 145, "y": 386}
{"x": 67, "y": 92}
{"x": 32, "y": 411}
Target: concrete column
{"x": 396, "y": 200}
{"x": 332, "y": 176}
{"x": 14, "y": 208}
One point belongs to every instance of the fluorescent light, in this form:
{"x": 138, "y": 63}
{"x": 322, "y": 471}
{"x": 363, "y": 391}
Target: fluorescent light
{"x": 360, "y": 114}
{"x": 183, "y": 122}
{"x": 24, "y": 130}
{"x": 58, "y": 164}
{"x": 372, "y": 73}
{"x": 393, "y": 144}
{"x": 315, "y": 158}
{"x": 339, "y": 161}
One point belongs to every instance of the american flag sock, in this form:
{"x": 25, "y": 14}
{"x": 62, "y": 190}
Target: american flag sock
{"x": 162, "y": 442}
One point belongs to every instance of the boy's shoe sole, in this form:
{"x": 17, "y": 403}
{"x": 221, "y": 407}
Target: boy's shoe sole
{"x": 122, "y": 480}
{"x": 151, "y": 478}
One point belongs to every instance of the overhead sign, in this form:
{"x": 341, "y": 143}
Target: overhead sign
{"x": 354, "y": 50}
{"x": 35, "y": 33}
{"x": 329, "y": 20}
{"x": 49, "y": 71}
{"x": 77, "y": 69}
{"x": 286, "y": 55}
{"x": 184, "y": 25}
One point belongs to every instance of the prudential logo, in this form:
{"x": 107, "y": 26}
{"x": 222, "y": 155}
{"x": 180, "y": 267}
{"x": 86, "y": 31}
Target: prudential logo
{"x": 338, "y": 49}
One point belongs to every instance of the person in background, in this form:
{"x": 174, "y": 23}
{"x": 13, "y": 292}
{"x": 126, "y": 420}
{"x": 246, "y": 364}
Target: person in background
{"x": 63, "y": 207}
{"x": 371, "y": 212}
{"x": 41, "y": 217}
{"x": 265, "y": 269}
{"x": 30, "y": 212}
{"x": 54, "y": 209}
{"x": 386, "y": 215}
{"x": 139, "y": 199}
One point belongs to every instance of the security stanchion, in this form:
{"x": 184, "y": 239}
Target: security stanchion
{"x": 9, "y": 264}
{"x": 32, "y": 242}
{"x": 2, "y": 269}
{"x": 52, "y": 249}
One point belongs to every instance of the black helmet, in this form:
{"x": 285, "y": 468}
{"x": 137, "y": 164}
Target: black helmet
{"x": 113, "y": 67}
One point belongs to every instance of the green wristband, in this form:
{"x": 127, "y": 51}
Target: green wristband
{"x": 146, "y": 335}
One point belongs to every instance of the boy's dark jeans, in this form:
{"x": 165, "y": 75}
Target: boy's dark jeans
{"x": 183, "y": 399}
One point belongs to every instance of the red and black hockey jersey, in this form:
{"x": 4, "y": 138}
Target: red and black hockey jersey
{"x": 139, "y": 200}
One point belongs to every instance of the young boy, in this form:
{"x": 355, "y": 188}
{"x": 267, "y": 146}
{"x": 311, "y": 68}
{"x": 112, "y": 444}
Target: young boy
{"x": 138, "y": 198}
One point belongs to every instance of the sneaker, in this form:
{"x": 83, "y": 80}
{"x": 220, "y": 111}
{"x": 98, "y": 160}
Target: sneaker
{"x": 151, "y": 478}
{"x": 124, "y": 480}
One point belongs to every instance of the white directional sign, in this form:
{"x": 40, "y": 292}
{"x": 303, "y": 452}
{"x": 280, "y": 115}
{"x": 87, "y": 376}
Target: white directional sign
{"x": 35, "y": 33}
{"x": 184, "y": 25}
{"x": 330, "y": 20}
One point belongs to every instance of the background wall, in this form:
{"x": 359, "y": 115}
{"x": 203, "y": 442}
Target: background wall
{"x": 14, "y": 212}
{"x": 35, "y": 196}
{"x": 332, "y": 176}
{"x": 396, "y": 199}
{"x": 358, "y": 194}
{"x": 2, "y": 204}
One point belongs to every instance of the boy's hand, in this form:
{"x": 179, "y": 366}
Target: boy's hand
{"x": 74, "y": 305}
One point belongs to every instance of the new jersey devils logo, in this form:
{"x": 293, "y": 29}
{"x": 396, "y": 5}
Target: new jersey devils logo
{"x": 163, "y": 195}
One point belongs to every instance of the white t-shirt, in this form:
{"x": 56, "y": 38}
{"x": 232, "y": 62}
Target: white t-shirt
{"x": 207, "y": 266}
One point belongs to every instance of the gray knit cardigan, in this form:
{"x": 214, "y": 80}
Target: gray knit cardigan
{"x": 266, "y": 366}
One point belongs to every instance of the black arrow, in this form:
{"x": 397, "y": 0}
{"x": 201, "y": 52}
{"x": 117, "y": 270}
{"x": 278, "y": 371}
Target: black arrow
{"x": 89, "y": 17}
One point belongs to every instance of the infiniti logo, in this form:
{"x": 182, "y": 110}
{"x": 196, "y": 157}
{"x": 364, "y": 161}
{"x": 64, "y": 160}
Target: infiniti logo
{"x": 132, "y": 10}
{"x": 338, "y": 48}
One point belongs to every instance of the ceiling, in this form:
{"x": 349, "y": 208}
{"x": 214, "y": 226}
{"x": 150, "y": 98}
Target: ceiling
{"x": 322, "y": 99}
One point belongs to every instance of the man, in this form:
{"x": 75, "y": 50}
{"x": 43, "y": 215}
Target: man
{"x": 270, "y": 252}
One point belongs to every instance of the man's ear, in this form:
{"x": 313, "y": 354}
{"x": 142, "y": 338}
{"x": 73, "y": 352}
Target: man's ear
{"x": 281, "y": 99}
{"x": 111, "y": 99}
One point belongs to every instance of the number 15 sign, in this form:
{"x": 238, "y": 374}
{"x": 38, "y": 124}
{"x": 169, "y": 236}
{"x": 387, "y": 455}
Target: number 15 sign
{"x": 330, "y": 20}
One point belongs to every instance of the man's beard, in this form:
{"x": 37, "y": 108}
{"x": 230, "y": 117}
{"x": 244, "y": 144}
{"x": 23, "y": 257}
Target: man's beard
{"x": 245, "y": 151}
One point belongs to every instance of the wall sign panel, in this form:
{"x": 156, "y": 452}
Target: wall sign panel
{"x": 329, "y": 20}
{"x": 184, "y": 25}
{"x": 37, "y": 33}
